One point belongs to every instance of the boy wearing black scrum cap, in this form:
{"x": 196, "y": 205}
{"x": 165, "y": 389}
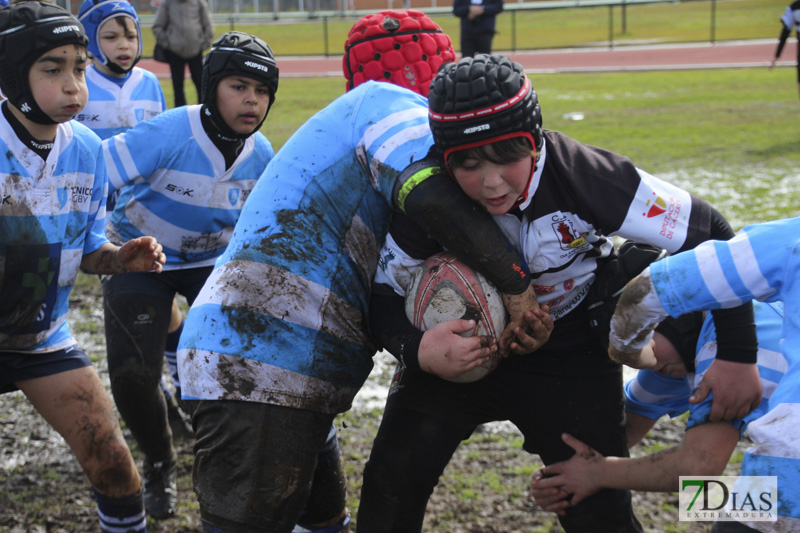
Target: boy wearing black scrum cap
{"x": 53, "y": 187}
{"x": 184, "y": 176}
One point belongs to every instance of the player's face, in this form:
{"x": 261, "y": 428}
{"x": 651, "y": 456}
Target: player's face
{"x": 57, "y": 81}
{"x": 495, "y": 186}
{"x": 242, "y": 102}
{"x": 119, "y": 42}
{"x": 668, "y": 361}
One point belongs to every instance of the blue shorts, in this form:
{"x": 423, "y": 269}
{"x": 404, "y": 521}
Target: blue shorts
{"x": 15, "y": 366}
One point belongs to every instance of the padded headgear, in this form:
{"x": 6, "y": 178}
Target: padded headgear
{"x": 237, "y": 53}
{"x": 94, "y": 13}
{"x": 480, "y": 100}
{"x": 27, "y": 31}
{"x": 683, "y": 332}
{"x": 405, "y": 48}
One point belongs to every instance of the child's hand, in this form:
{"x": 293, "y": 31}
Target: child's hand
{"x": 142, "y": 254}
{"x": 445, "y": 353}
{"x": 516, "y": 305}
{"x": 539, "y": 326}
{"x": 644, "y": 358}
{"x": 553, "y": 499}
{"x": 578, "y": 478}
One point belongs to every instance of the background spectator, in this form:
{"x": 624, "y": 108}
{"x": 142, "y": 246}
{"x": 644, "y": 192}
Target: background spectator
{"x": 790, "y": 19}
{"x": 477, "y": 24}
{"x": 184, "y": 29}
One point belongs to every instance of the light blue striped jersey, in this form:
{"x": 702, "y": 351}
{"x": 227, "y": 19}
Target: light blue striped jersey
{"x": 282, "y": 319}
{"x": 652, "y": 395}
{"x": 174, "y": 186}
{"x": 52, "y": 213}
{"x": 762, "y": 262}
{"x": 112, "y": 109}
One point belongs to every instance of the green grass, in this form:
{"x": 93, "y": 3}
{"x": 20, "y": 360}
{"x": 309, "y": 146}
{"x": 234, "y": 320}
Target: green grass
{"x": 687, "y": 21}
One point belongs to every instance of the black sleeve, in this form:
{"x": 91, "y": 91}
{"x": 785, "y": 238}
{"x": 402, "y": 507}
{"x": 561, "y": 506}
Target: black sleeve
{"x": 390, "y": 327}
{"x": 736, "y": 327}
{"x": 782, "y": 40}
{"x": 705, "y": 223}
{"x": 462, "y": 226}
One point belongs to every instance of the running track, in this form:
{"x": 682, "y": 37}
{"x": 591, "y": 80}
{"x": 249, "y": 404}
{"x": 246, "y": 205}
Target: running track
{"x": 654, "y": 57}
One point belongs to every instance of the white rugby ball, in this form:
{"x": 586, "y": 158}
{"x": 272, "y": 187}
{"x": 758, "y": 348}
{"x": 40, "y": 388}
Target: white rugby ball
{"x": 443, "y": 289}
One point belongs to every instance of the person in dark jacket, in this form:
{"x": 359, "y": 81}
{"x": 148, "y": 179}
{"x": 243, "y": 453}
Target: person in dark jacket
{"x": 477, "y": 24}
{"x": 790, "y": 19}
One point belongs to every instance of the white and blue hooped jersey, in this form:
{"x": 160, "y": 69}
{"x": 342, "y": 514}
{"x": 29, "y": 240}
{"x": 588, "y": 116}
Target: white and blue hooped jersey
{"x": 762, "y": 262}
{"x": 112, "y": 109}
{"x": 52, "y": 213}
{"x": 174, "y": 186}
{"x": 282, "y": 318}
{"x": 652, "y": 395}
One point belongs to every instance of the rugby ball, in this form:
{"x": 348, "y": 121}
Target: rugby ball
{"x": 443, "y": 289}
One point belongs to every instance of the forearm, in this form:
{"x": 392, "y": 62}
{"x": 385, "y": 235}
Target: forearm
{"x": 104, "y": 260}
{"x": 637, "y": 314}
{"x": 439, "y": 206}
{"x": 636, "y": 427}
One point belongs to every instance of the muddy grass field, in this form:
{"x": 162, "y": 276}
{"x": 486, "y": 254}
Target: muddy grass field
{"x": 484, "y": 489}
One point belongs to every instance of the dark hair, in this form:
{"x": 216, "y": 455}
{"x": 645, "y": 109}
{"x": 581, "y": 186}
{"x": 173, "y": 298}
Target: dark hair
{"x": 123, "y": 20}
{"x": 504, "y": 152}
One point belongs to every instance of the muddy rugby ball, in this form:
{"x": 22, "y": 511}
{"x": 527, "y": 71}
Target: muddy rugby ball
{"x": 443, "y": 289}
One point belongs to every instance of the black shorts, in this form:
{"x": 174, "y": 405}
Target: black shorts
{"x": 15, "y": 366}
{"x": 570, "y": 386}
{"x": 255, "y": 465}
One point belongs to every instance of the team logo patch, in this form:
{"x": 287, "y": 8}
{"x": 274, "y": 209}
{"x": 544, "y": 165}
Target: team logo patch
{"x": 568, "y": 237}
{"x": 544, "y": 289}
{"x": 233, "y": 196}
{"x": 61, "y": 194}
{"x": 655, "y": 207}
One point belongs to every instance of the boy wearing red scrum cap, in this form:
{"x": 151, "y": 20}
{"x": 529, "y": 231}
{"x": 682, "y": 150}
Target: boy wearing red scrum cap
{"x": 558, "y": 201}
{"x": 405, "y": 48}
{"x": 276, "y": 343}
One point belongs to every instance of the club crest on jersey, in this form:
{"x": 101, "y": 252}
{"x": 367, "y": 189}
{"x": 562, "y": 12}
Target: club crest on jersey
{"x": 568, "y": 237}
{"x": 61, "y": 194}
{"x": 233, "y": 196}
{"x": 668, "y": 210}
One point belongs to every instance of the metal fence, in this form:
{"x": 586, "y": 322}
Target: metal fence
{"x": 308, "y": 26}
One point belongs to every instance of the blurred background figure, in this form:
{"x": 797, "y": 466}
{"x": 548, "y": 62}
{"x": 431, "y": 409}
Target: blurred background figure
{"x": 184, "y": 29}
{"x": 478, "y": 19}
{"x": 789, "y": 20}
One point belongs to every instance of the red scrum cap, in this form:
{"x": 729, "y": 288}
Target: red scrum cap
{"x": 402, "y": 47}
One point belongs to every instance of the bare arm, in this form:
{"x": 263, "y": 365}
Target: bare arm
{"x": 636, "y": 427}
{"x": 137, "y": 255}
{"x": 705, "y": 450}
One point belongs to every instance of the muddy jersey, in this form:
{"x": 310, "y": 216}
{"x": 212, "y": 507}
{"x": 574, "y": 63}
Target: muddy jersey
{"x": 52, "y": 213}
{"x": 113, "y": 109}
{"x": 174, "y": 186}
{"x": 762, "y": 262}
{"x": 652, "y": 395}
{"x": 282, "y": 318}
{"x": 578, "y": 197}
